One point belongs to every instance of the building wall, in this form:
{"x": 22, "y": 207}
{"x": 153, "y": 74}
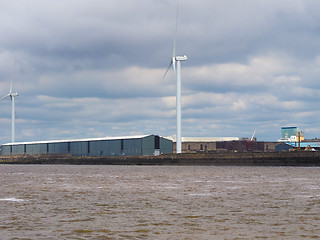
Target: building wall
{"x": 79, "y": 148}
{"x": 33, "y": 149}
{"x": 196, "y": 147}
{"x": 241, "y": 146}
{"x": 55, "y": 148}
{"x": 166, "y": 146}
{"x": 132, "y": 147}
{"x": 152, "y": 143}
{"x": 19, "y": 149}
{"x": 287, "y": 132}
{"x": 282, "y": 147}
{"x": 128, "y": 146}
{"x": 271, "y": 146}
{"x": 148, "y": 145}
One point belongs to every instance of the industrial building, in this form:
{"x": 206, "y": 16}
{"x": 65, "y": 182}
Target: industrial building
{"x": 291, "y": 134}
{"x": 292, "y": 139}
{"x": 200, "y": 144}
{"x": 114, "y": 146}
{"x": 221, "y": 144}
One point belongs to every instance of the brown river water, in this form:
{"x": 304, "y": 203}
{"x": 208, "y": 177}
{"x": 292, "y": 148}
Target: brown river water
{"x": 158, "y": 202}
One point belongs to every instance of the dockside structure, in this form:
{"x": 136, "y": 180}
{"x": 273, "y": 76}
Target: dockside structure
{"x": 144, "y": 145}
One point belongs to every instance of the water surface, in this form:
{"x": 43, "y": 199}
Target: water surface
{"x": 159, "y": 202}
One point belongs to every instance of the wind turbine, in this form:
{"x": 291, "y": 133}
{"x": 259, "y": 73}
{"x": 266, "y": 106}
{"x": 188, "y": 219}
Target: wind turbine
{"x": 176, "y": 64}
{"x": 12, "y": 95}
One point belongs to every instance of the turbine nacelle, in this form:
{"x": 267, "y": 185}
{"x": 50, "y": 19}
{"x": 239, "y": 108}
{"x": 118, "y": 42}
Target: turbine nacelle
{"x": 14, "y": 94}
{"x": 181, "y": 58}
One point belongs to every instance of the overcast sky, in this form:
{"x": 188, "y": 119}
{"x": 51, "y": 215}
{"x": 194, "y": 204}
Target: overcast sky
{"x": 88, "y": 69}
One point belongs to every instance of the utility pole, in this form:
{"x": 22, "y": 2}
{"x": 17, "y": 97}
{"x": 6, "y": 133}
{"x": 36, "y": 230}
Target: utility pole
{"x": 299, "y": 141}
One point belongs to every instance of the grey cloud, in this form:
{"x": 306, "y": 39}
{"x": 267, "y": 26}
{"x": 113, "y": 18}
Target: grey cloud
{"x": 94, "y": 68}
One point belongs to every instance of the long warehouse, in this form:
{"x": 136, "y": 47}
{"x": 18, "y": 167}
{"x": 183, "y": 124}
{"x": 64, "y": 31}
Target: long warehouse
{"x": 114, "y": 146}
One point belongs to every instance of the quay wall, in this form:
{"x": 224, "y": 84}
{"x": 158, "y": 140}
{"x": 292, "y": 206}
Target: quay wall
{"x": 216, "y": 159}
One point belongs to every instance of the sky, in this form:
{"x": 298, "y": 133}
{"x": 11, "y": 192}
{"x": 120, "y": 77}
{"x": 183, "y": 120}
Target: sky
{"x": 87, "y": 69}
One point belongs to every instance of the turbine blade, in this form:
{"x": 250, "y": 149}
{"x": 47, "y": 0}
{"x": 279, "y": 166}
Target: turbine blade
{"x": 174, "y": 48}
{"x": 173, "y": 59}
{"x": 174, "y": 63}
{"x": 167, "y": 70}
{"x": 13, "y": 68}
{"x": 5, "y": 97}
{"x": 175, "y": 34}
{"x": 11, "y": 86}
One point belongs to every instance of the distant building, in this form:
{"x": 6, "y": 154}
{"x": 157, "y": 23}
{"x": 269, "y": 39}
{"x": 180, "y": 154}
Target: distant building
{"x": 201, "y": 144}
{"x": 221, "y": 144}
{"x": 271, "y": 146}
{"x": 241, "y": 146}
{"x": 291, "y": 134}
{"x": 114, "y": 146}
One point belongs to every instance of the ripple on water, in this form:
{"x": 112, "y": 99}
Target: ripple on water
{"x": 12, "y": 199}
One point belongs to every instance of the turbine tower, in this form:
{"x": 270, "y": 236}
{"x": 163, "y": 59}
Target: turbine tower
{"x": 177, "y": 60}
{"x": 12, "y": 95}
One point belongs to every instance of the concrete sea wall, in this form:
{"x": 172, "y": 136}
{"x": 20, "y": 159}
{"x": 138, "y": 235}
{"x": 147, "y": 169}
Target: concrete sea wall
{"x": 217, "y": 159}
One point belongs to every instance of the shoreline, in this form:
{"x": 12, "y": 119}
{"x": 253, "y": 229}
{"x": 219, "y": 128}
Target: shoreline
{"x": 303, "y": 159}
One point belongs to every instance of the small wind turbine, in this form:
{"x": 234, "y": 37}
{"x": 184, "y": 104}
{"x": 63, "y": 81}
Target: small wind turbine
{"x": 176, "y": 60}
{"x": 12, "y": 95}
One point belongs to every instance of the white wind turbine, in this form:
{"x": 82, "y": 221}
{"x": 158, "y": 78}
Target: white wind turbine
{"x": 176, "y": 60}
{"x": 12, "y": 95}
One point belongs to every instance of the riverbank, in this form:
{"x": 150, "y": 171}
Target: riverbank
{"x": 218, "y": 159}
